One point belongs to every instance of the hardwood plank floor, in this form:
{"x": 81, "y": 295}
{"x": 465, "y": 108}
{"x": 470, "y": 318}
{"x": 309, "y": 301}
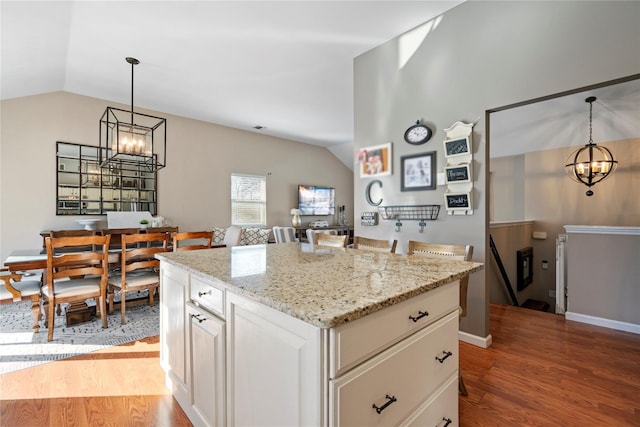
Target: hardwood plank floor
{"x": 540, "y": 371}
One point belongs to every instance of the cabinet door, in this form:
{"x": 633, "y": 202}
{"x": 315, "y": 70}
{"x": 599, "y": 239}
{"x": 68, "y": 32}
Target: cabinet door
{"x": 207, "y": 339}
{"x": 174, "y": 291}
{"x": 274, "y": 371}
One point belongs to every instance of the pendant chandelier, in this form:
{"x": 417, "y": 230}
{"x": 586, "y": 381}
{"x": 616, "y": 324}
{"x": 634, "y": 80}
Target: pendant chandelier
{"x": 592, "y": 163}
{"x": 130, "y": 140}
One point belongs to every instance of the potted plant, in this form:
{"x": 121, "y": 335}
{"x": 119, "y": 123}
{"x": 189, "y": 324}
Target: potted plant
{"x": 144, "y": 223}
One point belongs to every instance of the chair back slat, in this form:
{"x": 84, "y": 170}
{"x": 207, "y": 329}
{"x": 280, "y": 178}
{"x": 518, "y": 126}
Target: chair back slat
{"x": 377, "y": 245}
{"x": 138, "y": 250}
{"x": 192, "y": 240}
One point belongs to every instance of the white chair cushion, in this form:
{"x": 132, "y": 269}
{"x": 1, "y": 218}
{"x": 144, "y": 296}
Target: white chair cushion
{"x": 232, "y": 236}
{"x": 25, "y": 287}
{"x": 136, "y": 279}
{"x": 68, "y": 288}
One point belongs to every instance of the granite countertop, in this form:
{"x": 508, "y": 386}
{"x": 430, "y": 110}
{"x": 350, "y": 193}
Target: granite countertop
{"x": 325, "y": 287}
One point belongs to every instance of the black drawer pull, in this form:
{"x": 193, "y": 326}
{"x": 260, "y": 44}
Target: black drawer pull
{"x": 446, "y": 354}
{"x": 448, "y": 421}
{"x": 390, "y": 400}
{"x": 201, "y": 294}
{"x": 198, "y": 318}
{"x": 421, "y": 314}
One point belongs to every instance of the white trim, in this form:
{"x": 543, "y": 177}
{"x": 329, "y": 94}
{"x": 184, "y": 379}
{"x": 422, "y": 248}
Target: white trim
{"x": 475, "y": 339}
{"x": 606, "y": 323}
{"x": 602, "y": 229}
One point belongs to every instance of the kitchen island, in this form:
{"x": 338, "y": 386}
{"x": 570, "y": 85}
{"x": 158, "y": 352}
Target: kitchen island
{"x": 289, "y": 334}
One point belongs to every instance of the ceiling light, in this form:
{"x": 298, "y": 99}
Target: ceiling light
{"x": 132, "y": 140}
{"x": 592, "y": 163}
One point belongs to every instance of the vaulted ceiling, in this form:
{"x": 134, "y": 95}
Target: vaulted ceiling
{"x": 283, "y": 65}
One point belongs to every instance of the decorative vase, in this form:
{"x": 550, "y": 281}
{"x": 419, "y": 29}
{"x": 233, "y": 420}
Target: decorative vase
{"x": 295, "y": 220}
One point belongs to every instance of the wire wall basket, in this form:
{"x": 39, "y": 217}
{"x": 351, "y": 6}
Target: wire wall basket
{"x": 420, "y": 213}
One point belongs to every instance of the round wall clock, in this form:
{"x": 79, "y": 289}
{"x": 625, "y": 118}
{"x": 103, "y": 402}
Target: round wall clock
{"x": 418, "y": 134}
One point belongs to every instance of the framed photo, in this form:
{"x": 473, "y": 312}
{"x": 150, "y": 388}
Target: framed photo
{"x": 457, "y": 147}
{"x": 375, "y": 160}
{"x": 418, "y": 172}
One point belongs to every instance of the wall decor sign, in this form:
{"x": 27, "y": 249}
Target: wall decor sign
{"x": 418, "y": 172}
{"x": 459, "y": 201}
{"x": 369, "y": 218}
{"x": 457, "y": 147}
{"x": 375, "y": 160}
{"x": 457, "y": 173}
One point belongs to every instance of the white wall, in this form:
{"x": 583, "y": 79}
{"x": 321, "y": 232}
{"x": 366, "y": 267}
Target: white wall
{"x": 479, "y": 56}
{"x": 193, "y": 189}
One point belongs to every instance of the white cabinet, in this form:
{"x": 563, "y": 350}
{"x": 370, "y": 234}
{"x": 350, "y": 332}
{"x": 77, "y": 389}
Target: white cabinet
{"x": 174, "y": 292}
{"x": 233, "y": 361}
{"x": 206, "y": 367}
{"x": 274, "y": 361}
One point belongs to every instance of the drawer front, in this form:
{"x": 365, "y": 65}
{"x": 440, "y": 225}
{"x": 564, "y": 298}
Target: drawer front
{"x": 204, "y": 294}
{"x": 388, "y": 388}
{"x": 439, "y": 410}
{"x": 357, "y": 341}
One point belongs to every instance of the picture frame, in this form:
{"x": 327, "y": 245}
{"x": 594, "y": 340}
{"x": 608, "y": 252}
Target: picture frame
{"x": 457, "y": 147}
{"x": 375, "y": 160}
{"x": 418, "y": 172}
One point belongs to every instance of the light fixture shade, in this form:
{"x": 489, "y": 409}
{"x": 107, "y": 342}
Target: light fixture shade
{"x": 129, "y": 138}
{"x": 592, "y": 163}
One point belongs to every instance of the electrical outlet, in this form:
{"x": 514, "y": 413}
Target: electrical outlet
{"x": 552, "y": 294}
{"x": 545, "y": 265}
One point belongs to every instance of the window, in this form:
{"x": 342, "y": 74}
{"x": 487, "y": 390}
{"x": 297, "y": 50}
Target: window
{"x": 248, "y": 200}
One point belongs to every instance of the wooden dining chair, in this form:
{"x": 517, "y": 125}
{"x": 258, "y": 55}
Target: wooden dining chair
{"x": 14, "y": 289}
{"x": 75, "y": 274}
{"x": 333, "y": 240}
{"x": 377, "y": 245}
{"x": 139, "y": 269}
{"x": 192, "y": 240}
{"x": 454, "y": 252}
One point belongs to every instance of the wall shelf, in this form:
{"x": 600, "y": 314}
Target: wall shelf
{"x": 420, "y": 213}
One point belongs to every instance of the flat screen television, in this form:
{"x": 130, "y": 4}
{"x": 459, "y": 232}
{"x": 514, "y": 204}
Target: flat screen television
{"x": 316, "y": 200}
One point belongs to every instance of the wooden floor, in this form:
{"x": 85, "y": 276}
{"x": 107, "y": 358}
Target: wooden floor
{"x": 540, "y": 371}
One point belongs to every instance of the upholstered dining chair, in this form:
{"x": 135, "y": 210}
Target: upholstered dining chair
{"x": 377, "y": 245}
{"x": 14, "y": 289}
{"x": 333, "y": 240}
{"x": 192, "y": 240}
{"x": 232, "y": 236}
{"x": 455, "y": 252}
{"x": 76, "y": 273}
{"x": 284, "y": 234}
{"x": 139, "y": 269}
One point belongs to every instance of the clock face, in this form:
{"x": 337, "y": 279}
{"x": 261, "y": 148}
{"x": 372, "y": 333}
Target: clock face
{"x": 417, "y": 134}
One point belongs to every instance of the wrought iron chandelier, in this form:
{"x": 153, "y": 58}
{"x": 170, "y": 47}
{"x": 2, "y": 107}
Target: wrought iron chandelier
{"x": 130, "y": 140}
{"x": 592, "y": 163}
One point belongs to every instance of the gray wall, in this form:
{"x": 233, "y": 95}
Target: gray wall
{"x": 193, "y": 189}
{"x": 479, "y": 56}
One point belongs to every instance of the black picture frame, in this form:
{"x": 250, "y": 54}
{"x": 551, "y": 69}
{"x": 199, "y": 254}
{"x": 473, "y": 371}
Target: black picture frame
{"x": 418, "y": 172}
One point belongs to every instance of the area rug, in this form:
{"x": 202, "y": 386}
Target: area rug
{"x": 21, "y": 348}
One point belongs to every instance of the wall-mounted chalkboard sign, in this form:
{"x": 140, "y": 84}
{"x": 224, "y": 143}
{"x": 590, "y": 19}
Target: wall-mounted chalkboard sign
{"x": 457, "y": 147}
{"x": 458, "y": 201}
{"x": 458, "y": 173}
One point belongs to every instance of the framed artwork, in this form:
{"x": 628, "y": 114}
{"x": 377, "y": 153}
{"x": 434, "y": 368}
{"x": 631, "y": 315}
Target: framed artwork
{"x": 418, "y": 172}
{"x": 457, "y": 147}
{"x": 375, "y": 161}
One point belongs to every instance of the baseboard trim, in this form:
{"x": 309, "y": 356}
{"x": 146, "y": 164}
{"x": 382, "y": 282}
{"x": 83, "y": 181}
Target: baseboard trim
{"x": 475, "y": 340}
{"x": 606, "y": 323}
